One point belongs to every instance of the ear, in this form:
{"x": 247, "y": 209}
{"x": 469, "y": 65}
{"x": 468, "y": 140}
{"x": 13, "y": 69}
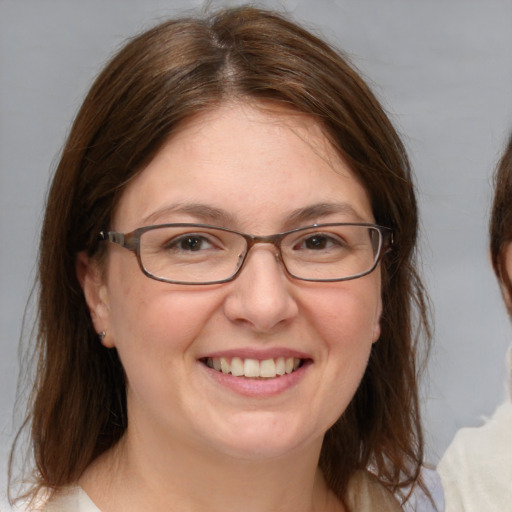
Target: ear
{"x": 91, "y": 279}
{"x": 376, "y": 324}
{"x": 506, "y": 297}
{"x": 506, "y": 273}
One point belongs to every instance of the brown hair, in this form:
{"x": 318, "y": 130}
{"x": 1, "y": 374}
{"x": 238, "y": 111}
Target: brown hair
{"x": 160, "y": 78}
{"x": 500, "y": 227}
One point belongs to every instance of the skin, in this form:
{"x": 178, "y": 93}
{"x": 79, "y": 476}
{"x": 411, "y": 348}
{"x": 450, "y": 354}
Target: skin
{"x": 508, "y": 271}
{"x": 194, "y": 440}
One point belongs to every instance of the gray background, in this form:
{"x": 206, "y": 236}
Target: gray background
{"x": 442, "y": 68}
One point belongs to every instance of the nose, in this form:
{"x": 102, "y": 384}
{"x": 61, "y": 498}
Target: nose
{"x": 260, "y": 296}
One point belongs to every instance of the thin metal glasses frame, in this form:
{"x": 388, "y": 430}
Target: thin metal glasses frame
{"x": 131, "y": 241}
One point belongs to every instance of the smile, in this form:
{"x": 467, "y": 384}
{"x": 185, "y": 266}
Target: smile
{"x": 254, "y": 368}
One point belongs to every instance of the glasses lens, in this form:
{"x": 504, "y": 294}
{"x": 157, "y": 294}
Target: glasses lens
{"x": 196, "y": 254}
{"x": 191, "y": 254}
{"x": 331, "y": 252}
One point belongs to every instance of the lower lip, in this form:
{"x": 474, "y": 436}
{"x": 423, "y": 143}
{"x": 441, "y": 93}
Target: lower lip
{"x": 258, "y": 387}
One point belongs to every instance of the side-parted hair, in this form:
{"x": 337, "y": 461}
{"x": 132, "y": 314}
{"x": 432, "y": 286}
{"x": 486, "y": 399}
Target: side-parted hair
{"x": 159, "y": 79}
{"x": 500, "y": 226}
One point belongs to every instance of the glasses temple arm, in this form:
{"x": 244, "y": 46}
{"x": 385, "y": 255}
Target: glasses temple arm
{"x": 114, "y": 237}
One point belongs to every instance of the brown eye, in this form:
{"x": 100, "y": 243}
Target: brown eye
{"x": 316, "y": 242}
{"x": 189, "y": 243}
{"x": 319, "y": 242}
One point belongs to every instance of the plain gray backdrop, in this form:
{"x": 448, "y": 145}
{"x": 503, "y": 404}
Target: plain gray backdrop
{"x": 443, "y": 70}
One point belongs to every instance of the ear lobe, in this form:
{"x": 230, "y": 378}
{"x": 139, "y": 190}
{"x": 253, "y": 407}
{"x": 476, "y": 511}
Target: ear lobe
{"x": 91, "y": 280}
{"x": 376, "y": 325}
{"x": 376, "y": 331}
{"x": 506, "y": 297}
{"x": 505, "y": 271}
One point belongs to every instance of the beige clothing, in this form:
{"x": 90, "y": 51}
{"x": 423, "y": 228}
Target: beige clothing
{"x": 73, "y": 499}
{"x": 476, "y": 470}
{"x": 365, "y": 494}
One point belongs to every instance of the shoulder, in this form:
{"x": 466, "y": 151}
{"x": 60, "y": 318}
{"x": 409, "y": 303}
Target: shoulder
{"x": 477, "y": 466}
{"x": 71, "y": 499}
{"x": 366, "y": 494}
{"x": 426, "y": 498}
{"x": 493, "y": 440}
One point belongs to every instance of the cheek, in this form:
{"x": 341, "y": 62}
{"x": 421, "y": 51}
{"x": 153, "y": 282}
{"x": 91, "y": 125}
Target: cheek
{"x": 343, "y": 320}
{"x": 349, "y": 315}
{"x": 153, "y": 320}
{"x": 348, "y": 335}
{"x": 156, "y": 331}
{"x": 348, "y": 321}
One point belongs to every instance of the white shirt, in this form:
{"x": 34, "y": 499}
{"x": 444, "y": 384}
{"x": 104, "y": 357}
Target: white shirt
{"x": 476, "y": 470}
{"x": 74, "y": 499}
{"x": 365, "y": 494}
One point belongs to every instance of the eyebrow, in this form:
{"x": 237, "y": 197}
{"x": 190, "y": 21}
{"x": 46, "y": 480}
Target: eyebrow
{"x": 212, "y": 215}
{"x": 202, "y": 212}
{"x": 309, "y": 213}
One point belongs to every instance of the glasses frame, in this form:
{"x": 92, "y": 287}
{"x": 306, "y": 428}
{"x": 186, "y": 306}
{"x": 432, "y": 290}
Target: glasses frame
{"x": 131, "y": 241}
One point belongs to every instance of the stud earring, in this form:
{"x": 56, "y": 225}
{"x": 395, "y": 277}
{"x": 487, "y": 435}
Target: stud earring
{"x": 102, "y": 335}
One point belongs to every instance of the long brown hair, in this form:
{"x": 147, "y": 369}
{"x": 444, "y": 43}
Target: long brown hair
{"x": 500, "y": 226}
{"x": 160, "y": 78}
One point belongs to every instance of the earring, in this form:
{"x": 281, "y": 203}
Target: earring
{"x": 102, "y": 335}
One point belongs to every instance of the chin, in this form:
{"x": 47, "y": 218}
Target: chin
{"x": 268, "y": 438}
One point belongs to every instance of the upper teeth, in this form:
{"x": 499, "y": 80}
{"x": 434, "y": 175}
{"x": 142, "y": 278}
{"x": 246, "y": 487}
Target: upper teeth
{"x": 268, "y": 368}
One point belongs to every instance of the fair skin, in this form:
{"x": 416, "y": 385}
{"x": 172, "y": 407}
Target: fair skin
{"x": 198, "y": 439}
{"x": 508, "y": 271}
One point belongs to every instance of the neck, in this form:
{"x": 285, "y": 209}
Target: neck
{"x": 133, "y": 477}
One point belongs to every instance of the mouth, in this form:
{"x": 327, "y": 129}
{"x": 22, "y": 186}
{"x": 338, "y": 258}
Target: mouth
{"x": 254, "y": 368}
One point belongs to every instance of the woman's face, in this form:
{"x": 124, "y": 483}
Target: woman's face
{"x": 258, "y": 172}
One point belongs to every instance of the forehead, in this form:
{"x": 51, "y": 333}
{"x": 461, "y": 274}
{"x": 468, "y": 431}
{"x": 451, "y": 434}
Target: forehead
{"x": 247, "y": 159}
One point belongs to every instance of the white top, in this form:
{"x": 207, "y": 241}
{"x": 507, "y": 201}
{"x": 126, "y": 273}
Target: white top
{"x": 73, "y": 499}
{"x": 365, "y": 494}
{"x": 476, "y": 470}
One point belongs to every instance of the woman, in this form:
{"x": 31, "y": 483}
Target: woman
{"x": 476, "y": 470}
{"x": 227, "y": 283}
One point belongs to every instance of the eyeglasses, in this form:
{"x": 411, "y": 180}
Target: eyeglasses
{"x": 201, "y": 254}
